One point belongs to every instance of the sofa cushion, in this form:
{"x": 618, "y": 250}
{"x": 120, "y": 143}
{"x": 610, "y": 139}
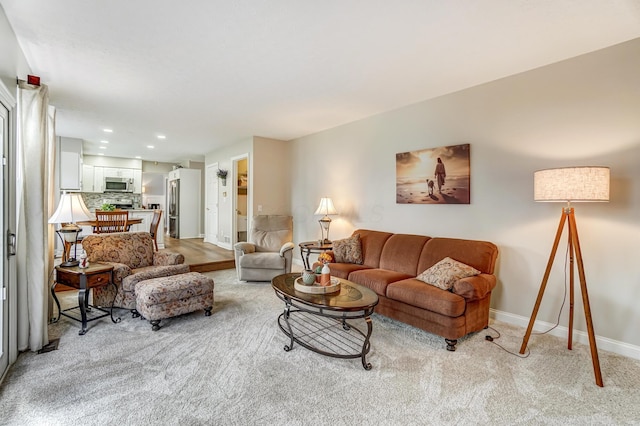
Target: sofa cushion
{"x": 446, "y": 272}
{"x": 342, "y": 270}
{"x": 263, "y": 261}
{"x": 134, "y": 249}
{"x": 413, "y": 292}
{"x": 401, "y": 253}
{"x": 481, "y": 255}
{"x": 150, "y": 272}
{"x": 372, "y": 244}
{"x": 376, "y": 279}
{"x": 348, "y": 250}
{"x": 270, "y": 232}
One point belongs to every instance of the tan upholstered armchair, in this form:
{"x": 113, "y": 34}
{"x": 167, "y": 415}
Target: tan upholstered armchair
{"x": 270, "y": 250}
{"x": 134, "y": 259}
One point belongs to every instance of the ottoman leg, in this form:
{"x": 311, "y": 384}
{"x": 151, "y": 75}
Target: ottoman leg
{"x": 155, "y": 325}
{"x": 207, "y": 312}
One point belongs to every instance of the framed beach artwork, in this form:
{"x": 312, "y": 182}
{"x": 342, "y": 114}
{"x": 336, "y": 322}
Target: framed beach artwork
{"x": 434, "y": 176}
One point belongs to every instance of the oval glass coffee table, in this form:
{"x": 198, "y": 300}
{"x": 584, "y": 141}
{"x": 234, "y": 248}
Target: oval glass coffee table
{"x": 325, "y": 323}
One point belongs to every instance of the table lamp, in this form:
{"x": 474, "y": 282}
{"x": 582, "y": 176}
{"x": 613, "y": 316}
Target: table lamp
{"x": 70, "y": 210}
{"x": 325, "y": 208}
{"x": 570, "y": 184}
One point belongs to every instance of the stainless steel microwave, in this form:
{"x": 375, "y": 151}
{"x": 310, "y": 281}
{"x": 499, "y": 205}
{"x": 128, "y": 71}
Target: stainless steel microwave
{"x": 118, "y": 184}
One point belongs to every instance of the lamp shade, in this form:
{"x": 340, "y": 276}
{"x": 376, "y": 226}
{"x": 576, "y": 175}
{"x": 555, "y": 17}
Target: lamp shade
{"x": 70, "y": 210}
{"x": 326, "y": 207}
{"x": 568, "y": 184}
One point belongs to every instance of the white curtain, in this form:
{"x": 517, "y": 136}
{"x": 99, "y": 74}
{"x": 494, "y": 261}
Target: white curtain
{"x": 34, "y": 198}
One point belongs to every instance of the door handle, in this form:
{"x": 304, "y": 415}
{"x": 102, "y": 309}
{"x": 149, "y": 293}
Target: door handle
{"x": 11, "y": 243}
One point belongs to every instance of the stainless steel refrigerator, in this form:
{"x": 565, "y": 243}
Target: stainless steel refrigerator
{"x": 184, "y": 203}
{"x": 174, "y": 208}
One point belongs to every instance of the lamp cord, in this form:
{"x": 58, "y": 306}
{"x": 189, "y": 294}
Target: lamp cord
{"x": 493, "y": 339}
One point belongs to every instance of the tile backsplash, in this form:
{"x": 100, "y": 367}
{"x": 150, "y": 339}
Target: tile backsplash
{"x": 94, "y": 200}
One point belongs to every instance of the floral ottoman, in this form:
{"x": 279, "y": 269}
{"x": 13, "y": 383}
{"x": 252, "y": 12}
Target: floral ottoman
{"x": 166, "y": 297}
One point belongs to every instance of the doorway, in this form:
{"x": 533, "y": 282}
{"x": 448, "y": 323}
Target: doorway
{"x": 241, "y": 198}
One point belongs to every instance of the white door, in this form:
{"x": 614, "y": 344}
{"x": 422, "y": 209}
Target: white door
{"x": 4, "y": 275}
{"x": 211, "y": 204}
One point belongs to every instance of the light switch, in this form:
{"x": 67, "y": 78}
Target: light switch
{"x": 259, "y": 208}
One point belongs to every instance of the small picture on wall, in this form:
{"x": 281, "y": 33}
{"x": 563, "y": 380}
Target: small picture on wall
{"x": 434, "y": 176}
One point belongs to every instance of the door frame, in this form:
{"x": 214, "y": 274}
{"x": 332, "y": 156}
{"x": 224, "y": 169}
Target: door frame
{"x": 234, "y": 197}
{"x": 211, "y": 194}
{"x": 8, "y": 286}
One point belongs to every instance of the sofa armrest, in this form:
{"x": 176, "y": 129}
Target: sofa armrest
{"x": 120, "y": 271}
{"x": 244, "y": 248}
{"x": 286, "y": 247}
{"x": 129, "y": 283}
{"x": 166, "y": 258}
{"x": 476, "y": 287}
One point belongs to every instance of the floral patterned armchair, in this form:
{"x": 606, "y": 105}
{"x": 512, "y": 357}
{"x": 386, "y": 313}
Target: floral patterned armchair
{"x": 134, "y": 259}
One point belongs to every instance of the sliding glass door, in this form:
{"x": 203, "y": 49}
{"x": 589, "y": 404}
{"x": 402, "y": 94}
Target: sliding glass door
{"x": 4, "y": 311}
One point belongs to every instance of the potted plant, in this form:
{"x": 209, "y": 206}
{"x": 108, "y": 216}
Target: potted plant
{"x": 222, "y": 175}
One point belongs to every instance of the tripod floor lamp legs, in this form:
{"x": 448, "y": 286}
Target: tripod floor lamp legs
{"x": 574, "y": 249}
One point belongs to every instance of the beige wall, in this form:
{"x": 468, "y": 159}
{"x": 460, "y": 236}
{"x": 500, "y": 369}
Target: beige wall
{"x": 582, "y": 111}
{"x": 271, "y": 176}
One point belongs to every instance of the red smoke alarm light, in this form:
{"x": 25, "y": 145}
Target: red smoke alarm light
{"x": 33, "y": 79}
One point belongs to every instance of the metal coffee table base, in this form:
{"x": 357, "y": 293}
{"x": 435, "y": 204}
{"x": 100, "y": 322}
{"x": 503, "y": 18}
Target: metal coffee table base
{"x": 328, "y": 332}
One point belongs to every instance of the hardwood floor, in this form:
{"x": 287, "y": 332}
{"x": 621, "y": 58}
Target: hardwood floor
{"x": 201, "y": 256}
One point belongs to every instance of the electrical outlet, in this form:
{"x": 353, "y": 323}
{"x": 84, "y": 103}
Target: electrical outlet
{"x": 259, "y": 208}
{"x": 227, "y": 239}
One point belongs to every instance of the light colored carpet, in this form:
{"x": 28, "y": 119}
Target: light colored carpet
{"x": 231, "y": 369}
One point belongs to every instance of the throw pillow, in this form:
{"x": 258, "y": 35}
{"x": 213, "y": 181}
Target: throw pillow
{"x": 446, "y": 272}
{"x": 348, "y": 250}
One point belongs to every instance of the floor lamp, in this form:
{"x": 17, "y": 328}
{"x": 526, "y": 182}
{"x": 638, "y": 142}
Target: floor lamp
{"x": 70, "y": 210}
{"x": 325, "y": 208}
{"x": 567, "y": 185}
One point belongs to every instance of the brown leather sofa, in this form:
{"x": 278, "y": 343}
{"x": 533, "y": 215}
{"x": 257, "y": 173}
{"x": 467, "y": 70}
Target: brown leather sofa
{"x": 392, "y": 261}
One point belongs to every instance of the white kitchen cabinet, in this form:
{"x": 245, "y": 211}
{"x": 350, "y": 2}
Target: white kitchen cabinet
{"x": 87, "y": 178}
{"x": 98, "y": 179}
{"x": 137, "y": 181}
{"x": 118, "y": 172}
{"x": 70, "y": 166}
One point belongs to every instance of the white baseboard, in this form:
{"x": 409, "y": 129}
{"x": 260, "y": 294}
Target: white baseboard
{"x": 604, "y": 343}
{"x": 226, "y": 246}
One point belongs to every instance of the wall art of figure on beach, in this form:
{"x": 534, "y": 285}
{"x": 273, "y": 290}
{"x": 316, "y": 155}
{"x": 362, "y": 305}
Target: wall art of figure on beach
{"x": 434, "y": 176}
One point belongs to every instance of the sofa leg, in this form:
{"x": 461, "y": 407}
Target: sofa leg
{"x": 155, "y": 325}
{"x": 451, "y": 344}
{"x": 207, "y": 311}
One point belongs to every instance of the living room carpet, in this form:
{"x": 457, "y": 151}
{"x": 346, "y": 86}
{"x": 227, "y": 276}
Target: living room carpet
{"x": 231, "y": 369}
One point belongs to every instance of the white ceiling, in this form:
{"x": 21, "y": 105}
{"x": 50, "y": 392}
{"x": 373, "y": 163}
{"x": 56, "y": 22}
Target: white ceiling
{"x": 207, "y": 73}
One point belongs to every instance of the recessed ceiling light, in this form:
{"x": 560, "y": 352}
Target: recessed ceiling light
{"x": 100, "y": 153}
{"x": 138, "y": 157}
{"x": 162, "y": 137}
{"x": 107, "y": 130}
{"x": 102, "y": 147}
{"x": 150, "y": 146}
{"x": 104, "y": 141}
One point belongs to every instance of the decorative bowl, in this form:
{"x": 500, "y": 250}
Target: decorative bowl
{"x": 308, "y": 277}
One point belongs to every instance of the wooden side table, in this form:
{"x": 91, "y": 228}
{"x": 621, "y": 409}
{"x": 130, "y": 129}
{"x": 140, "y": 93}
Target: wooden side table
{"x": 84, "y": 279}
{"x": 312, "y": 247}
